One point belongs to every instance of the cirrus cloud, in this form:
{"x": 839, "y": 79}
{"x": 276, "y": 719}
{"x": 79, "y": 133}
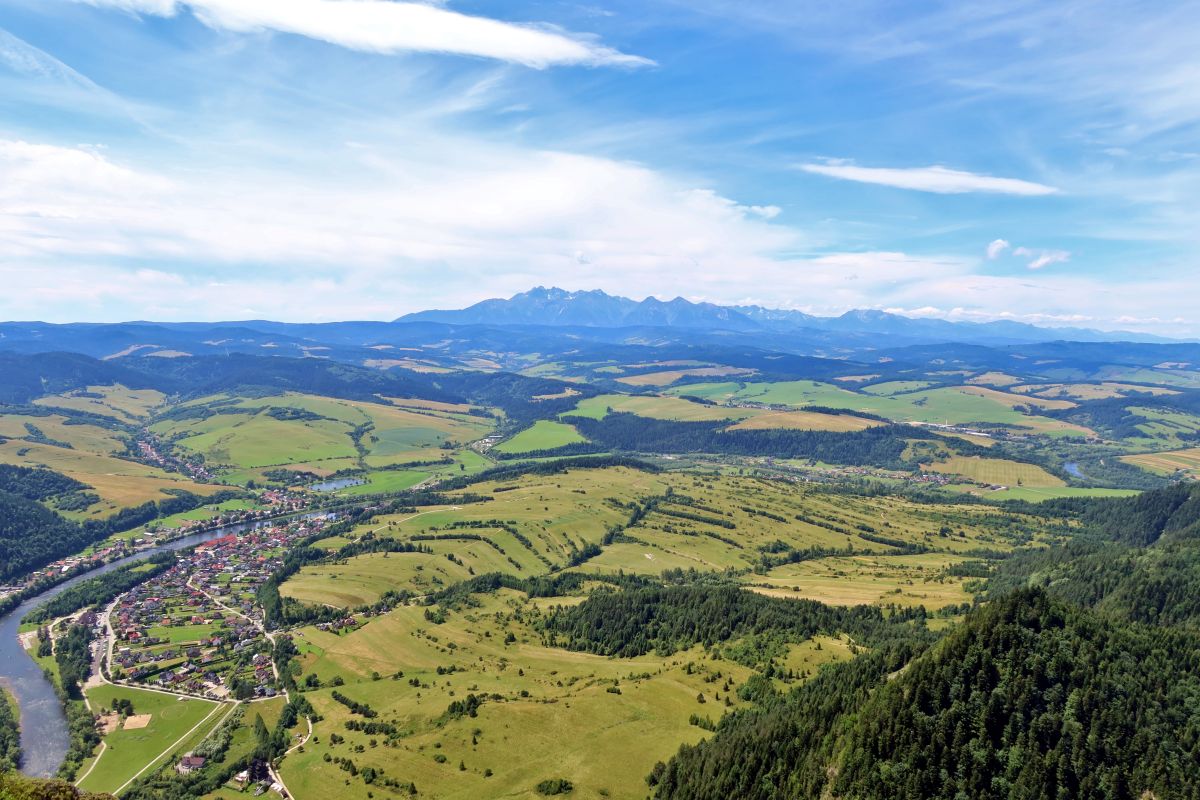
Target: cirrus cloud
{"x": 935, "y": 179}
{"x": 381, "y": 26}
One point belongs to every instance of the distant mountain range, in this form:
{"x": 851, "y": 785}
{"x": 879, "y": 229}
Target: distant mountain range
{"x": 558, "y": 307}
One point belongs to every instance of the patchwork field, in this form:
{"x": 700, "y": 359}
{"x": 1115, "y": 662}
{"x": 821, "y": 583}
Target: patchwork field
{"x": 1168, "y": 463}
{"x": 120, "y": 483}
{"x": 866, "y": 580}
{"x": 312, "y": 432}
{"x": 118, "y": 402}
{"x": 954, "y": 405}
{"x": 1090, "y": 391}
{"x": 538, "y": 523}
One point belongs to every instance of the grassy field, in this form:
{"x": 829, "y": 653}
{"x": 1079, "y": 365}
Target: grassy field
{"x": 866, "y": 580}
{"x": 1168, "y": 463}
{"x": 542, "y": 435}
{"x": 119, "y": 483}
{"x": 805, "y": 420}
{"x": 896, "y": 387}
{"x": 955, "y": 405}
{"x": 554, "y": 715}
{"x": 994, "y": 379}
{"x": 391, "y": 434}
{"x": 1037, "y": 495}
{"x": 656, "y": 407}
{"x": 667, "y": 377}
{"x": 128, "y": 751}
{"x": 997, "y": 471}
{"x": 732, "y": 520}
{"x": 599, "y": 722}
{"x": 118, "y": 402}
{"x": 1089, "y": 391}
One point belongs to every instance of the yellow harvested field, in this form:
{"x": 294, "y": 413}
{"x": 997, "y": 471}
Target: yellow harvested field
{"x": 1012, "y": 400}
{"x": 1168, "y": 463}
{"x": 996, "y": 471}
{"x": 805, "y": 421}
{"x": 994, "y": 379}
{"x": 868, "y": 580}
{"x": 670, "y": 376}
{"x": 120, "y": 483}
{"x": 115, "y": 401}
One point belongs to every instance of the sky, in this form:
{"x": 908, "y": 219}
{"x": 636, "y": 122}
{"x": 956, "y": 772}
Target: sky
{"x": 315, "y": 160}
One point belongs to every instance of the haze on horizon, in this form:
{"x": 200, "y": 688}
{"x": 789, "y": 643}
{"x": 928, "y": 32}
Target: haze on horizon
{"x": 212, "y": 159}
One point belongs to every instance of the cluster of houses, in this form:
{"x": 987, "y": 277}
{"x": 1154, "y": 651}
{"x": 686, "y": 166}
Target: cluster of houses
{"x": 153, "y": 453}
{"x": 212, "y": 591}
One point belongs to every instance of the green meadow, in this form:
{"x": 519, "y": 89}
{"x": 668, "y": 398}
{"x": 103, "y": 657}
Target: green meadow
{"x": 173, "y": 723}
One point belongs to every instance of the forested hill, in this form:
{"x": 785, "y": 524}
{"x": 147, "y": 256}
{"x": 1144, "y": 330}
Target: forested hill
{"x": 1143, "y": 563}
{"x": 1030, "y": 698}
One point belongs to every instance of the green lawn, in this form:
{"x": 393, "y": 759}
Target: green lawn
{"x": 128, "y": 751}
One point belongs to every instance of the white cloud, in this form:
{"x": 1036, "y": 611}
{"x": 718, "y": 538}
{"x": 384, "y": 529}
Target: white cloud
{"x": 85, "y": 234}
{"x": 996, "y": 247}
{"x": 382, "y": 26}
{"x": 936, "y": 179}
{"x": 1042, "y": 258}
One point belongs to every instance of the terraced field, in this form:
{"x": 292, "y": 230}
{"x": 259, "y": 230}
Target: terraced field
{"x": 536, "y": 524}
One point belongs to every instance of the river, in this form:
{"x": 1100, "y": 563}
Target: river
{"x": 44, "y": 738}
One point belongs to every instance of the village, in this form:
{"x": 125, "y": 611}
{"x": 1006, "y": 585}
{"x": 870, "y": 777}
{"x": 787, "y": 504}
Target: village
{"x": 196, "y": 629}
{"x": 269, "y": 504}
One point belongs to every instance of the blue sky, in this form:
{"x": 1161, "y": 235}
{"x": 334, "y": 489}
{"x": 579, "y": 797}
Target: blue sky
{"x": 330, "y": 159}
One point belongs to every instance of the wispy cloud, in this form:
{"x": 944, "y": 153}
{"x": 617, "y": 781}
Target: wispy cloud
{"x": 996, "y": 247}
{"x": 1042, "y": 258}
{"x": 381, "y": 26}
{"x": 936, "y": 179}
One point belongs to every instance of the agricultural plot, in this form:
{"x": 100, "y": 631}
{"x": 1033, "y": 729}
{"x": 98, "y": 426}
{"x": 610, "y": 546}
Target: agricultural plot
{"x": 1166, "y": 429}
{"x": 542, "y": 435}
{"x": 1186, "y": 462}
{"x": 145, "y": 742}
{"x": 994, "y": 379}
{"x": 656, "y": 407}
{"x": 1090, "y": 391}
{"x": 997, "y": 471}
{"x": 538, "y": 523}
{"x": 118, "y": 402}
{"x": 316, "y": 433}
{"x": 120, "y": 483}
{"x": 897, "y": 387}
{"x": 955, "y": 405}
{"x": 667, "y": 377}
{"x": 806, "y": 421}
{"x": 600, "y": 723}
{"x": 866, "y": 580}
